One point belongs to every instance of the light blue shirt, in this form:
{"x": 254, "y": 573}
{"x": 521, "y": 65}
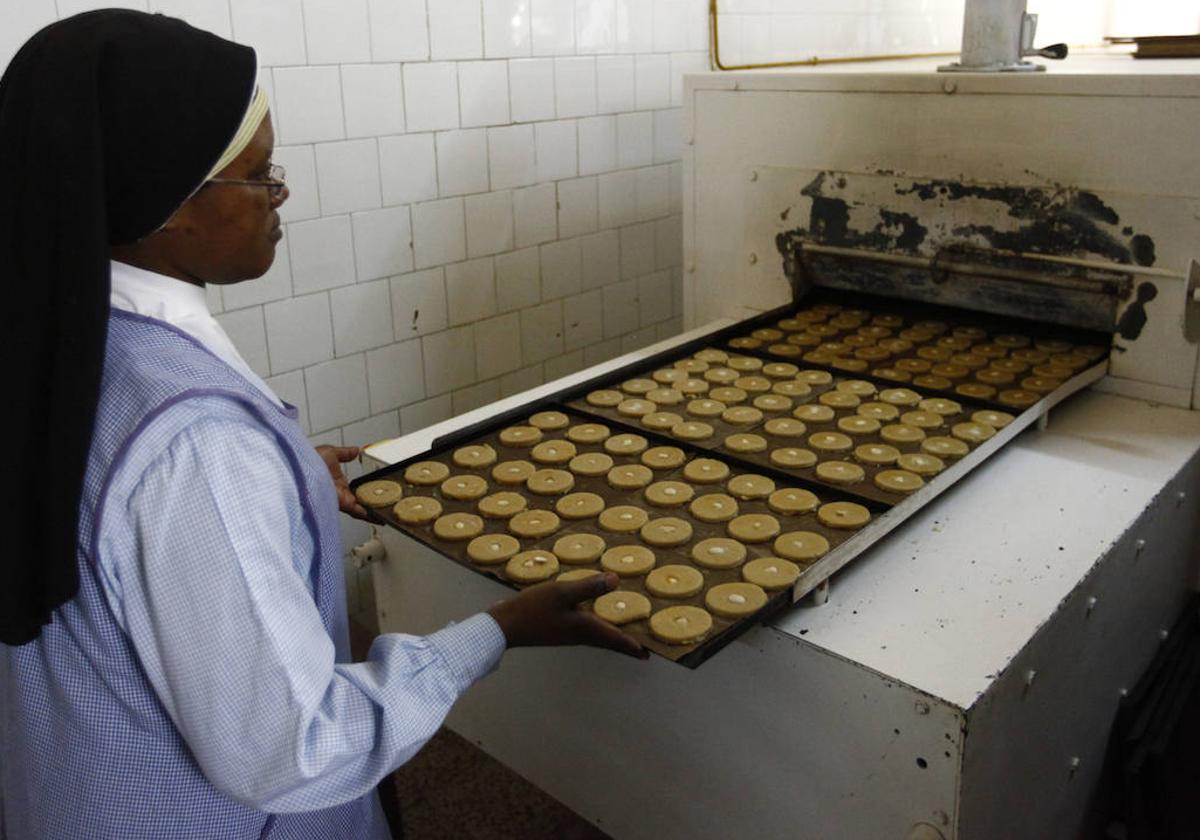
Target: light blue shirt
{"x": 204, "y": 557}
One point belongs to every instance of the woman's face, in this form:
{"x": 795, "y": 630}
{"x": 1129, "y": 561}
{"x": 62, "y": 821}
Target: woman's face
{"x": 227, "y": 233}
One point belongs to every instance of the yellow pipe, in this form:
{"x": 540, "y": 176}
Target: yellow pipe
{"x": 715, "y": 28}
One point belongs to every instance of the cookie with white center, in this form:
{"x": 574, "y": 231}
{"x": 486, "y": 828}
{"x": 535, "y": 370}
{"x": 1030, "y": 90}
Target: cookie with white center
{"x": 534, "y": 524}
{"x": 629, "y": 476}
{"x": 492, "y": 549}
{"x": 735, "y": 600}
{"x": 718, "y": 553}
{"x": 628, "y": 560}
{"x": 605, "y": 398}
{"x": 840, "y": 472}
{"x": 588, "y": 433}
{"x": 464, "y": 487}
{"x": 591, "y": 464}
{"x": 666, "y": 532}
{"x": 745, "y": 443}
{"x": 843, "y": 515}
{"x": 714, "y": 507}
{"x": 502, "y": 505}
{"x": 378, "y": 494}
{"x": 681, "y": 625}
{"x": 674, "y": 581}
{"x": 417, "y": 510}
{"x": 474, "y": 457}
{"x": 899, "y": 481}
{"x": 549, "y": 421}
{"x": 750, "y": 486}
{"x": 553, "y": 452}
{"x": 426, "y": 473}
{"x": 521, "y": 436}
{"x": 456, "y": 527}
{"x": 663, "y": 457}
{"x": 550, "y": 482}
{"x": 792, "y": 501}
{"x": 532, "y": 566}
{"x": 706, "y": 471}
{"x": 753, "y": 527}
{"x": 579, "y": 548}
{"x": 625, "y": 444}
{"x": 623, "y": 519}
{"x": 801, "y": 546}
{"x": 621, "y": 607}
{"x": 771, "y": 573}
{"x": 512, "y": 473}
{"x": 669, "y": 493}
{"x": 792, "y": 457}
{"x": 921, "y": 463}
{"x": 579, "y": 506}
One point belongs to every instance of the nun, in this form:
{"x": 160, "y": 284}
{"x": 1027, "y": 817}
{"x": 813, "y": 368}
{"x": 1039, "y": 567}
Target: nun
{"x": 175, "y": 659}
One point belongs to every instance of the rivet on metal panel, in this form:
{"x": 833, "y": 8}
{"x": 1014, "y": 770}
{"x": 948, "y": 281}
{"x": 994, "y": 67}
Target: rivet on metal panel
{"x": 1073, "y": 765}
{"x": 753, "y": 259}
{"x": 949, "y": 86}
{"x": 1162, "y": 635}
{"x": 1091, "y": 604}
{"x": 1179, "y": 497}
{"x": 1030, "y": 675}
{"x": 922, "y": 707}
{"x": 753, "y": 175}
{"x": 1137, "y": 548}
{"x": 1124, "y": 692}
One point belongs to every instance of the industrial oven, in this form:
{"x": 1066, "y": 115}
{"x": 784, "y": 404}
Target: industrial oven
{"x": 952, "y": 668}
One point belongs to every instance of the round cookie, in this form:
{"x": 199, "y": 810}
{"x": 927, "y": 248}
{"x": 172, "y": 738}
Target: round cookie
{"x": 549, "y": 421}
{"x": 534, "y": 524}
{"x": 995, "y": 419}
{"x": 940, "y": 405}
{"x": 802, "y": 546}
{"x": 378, "y": 494}
{"x": 668, "y": 376}
{"x": 791, "y": 501}
{"x": 791, "y": 388}
{"x": 417, "y": 510}
{"x": 674, "y": 581}
{"x": 665, "y": 396}
{"x": 856, "y": 424}
{"x": 579, "y": 506}
{"x": 922, "y": 419}
{"x": 588, "y": 433}
{"x": 628, "y": 560}
{"x": 876, "y": 454}
{"x": 474, "y": 457}
{"x": 669, "y": 493}
{"x": 682, "y": 625}
{"x": 502, "y": 505}
{"x": 591, "y": 464}
{"x": 858, "y": 387}
{"x": 843, "y": 515}
{"x": 706, "y": 471}
{"x": 840, "y": 399}
{"x": 492, "y": 549}
{"x": 899, "y": 481}
{"x": 753, "y": 384}
{"x": 579, "y": 548}
{"x": 972, "y": 432}
{"x": 512, "y": 473}
{"x": 735, "y": 600}
{"x": 840, "y": 472}
{"x": 691, "y": 387}
{"x": 771, "y": 573}
{"x": 901, "y": 433}
{"x": 638, "y": 386}
{"x": 666, "y": 532}
{"x": 456, "y": 527}
{"x": 785, "y": 427}
{"x": 753, "y": 527}
{"x": 605, "y": 398}
{"x": 792, "y": 457}
{"x": 741, "y": 415}
{"x": 975, "y": 390}
{"x": 899, "y": 396}
{"x": 623, "y": 519}
{"x": 629, "y": 476}
{"x": 830, "y": 442}
{"x": 625, "y": 444}
{"x": 772, "y": 403}
{"x": 553, "y": 452}
{"x": 550, "y": 482}
{"x": 881, "y": 411}
{"x": 635, "y": 408}
{"x": 711, "y": 355}
{"x": 813, "y": 413}
{"x": 814, "y": 377}
{"x": 691, "y": 365}
{"x": 714, "y": 507}
{"x": 944, "y": 447}
{"x": 1018, "y": 398}
{"x": 720, "y": 375}
{"x": 426, "y": 473}
{"x": 464, "y": 487}
{"x": 745, "y": 363}
{"x": 621, "y": 607}
{"x": 692, "y": 431}
{"x": 780, "y": 370}
{"x": 661, "y": 421}
{"x": 745, "y": 443}
{"x": 921, "y": 463}
{"x": 705, "y": 408}
{"x": 728, "y": 395}
{"x": 520, "y": 436}
{"x": 750, "y": 486}
{"x": 576, "y": 574}
{"x": 718, "y": 553}
{"x": 663, "y": 457}
{"x": 532, "y": 566}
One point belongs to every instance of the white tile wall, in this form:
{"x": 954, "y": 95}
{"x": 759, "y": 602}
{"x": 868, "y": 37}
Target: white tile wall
{"x": 484, "y": 193}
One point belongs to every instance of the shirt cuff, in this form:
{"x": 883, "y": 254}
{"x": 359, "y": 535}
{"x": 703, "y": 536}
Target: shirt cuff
{"x": 471, "y": 649}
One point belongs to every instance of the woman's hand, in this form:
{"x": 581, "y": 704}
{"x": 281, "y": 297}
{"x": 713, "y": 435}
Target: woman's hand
{"x": 334, "y": 457}
{"x": 548, "y": 614}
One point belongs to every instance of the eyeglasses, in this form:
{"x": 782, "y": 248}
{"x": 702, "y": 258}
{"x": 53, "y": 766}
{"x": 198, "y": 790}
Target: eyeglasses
{"x": 274, "y": 182}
